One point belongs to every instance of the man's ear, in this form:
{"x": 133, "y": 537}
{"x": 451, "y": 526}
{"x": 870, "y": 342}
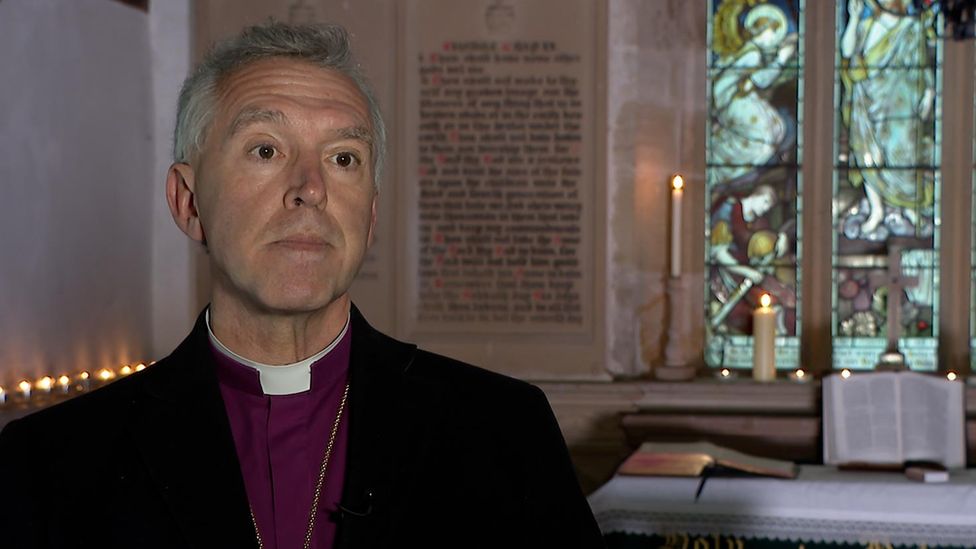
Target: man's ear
{"x": 372, "y": 222}
{"x": 181, "y": 197}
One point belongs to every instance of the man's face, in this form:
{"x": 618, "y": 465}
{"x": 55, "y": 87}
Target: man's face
{"x": 284, "y": 187}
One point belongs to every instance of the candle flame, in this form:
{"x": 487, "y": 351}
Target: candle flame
{"x": 126, "y": 370}
{"x": 45, "y": 383}
{"x": 765, "y": 301}
{"x": 105, "y": 374}
{"x": 677, "y": 182}
{"x": 845, "y": 373}
{"x": 726, "y": 372}
{"x": 140, "y": 367}
{"x": 64, "y": 381}
{"x": 951, "y": 376}
{"x": 800, "y": 374}
{"x": 84, "y": 375}
{"x": 25, "y": 386}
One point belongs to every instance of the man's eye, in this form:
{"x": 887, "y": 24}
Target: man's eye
{"x": 265, "y": 152}
{"x": 345, "y": 160}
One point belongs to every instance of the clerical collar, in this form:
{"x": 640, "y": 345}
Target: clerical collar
{"x": 286, "y": 379}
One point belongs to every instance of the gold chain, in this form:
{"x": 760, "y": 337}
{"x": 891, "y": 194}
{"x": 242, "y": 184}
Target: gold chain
{"x": 321, "y": 481}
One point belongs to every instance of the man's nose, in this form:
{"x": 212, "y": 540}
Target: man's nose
{"x": 308, "y": 188}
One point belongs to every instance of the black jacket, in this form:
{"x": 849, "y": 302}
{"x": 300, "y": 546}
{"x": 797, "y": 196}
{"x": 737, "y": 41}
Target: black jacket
{"x": 440, "y": 454}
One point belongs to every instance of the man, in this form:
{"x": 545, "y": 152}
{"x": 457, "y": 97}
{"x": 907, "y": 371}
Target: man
{"x": 284, "y": 420}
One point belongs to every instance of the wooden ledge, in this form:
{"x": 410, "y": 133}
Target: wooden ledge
{"x": 706, "y": 396}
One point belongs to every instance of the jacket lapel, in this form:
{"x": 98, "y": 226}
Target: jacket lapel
{"x": 388, "y": 415}
{"x": 181, "y": 429}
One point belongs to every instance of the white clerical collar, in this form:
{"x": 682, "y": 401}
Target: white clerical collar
{"x": 286, "y": 379}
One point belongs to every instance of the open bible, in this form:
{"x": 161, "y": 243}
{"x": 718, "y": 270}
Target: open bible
{"x": 889, "y": 418}
{"x": 697, "y": 458}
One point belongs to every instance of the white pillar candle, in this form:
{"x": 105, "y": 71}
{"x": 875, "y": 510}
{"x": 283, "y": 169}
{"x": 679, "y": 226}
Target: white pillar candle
{"x": 677, "y": 191}
{"x": 764, "y": 341}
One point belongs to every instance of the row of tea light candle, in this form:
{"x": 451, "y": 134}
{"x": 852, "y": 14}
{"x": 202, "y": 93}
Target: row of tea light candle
{"x": 764, "y": 351}
{"x": 802, "y": 376}
{"x": 65, "y": 384}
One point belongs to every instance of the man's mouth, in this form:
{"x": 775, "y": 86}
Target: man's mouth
{"x": 302, "y": 242}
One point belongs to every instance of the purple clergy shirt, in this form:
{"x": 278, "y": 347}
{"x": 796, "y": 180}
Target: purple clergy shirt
{"x": 280, "y": 441}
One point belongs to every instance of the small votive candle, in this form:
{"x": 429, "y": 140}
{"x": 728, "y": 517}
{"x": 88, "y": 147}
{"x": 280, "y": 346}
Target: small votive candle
{"x": 951, "y": 376}
{"x": 25, "y": 389}
{"x": 726, "y": 374}
{"x": 140, "y": 367}
{"x": 799, "y": 376}
{"x": 105, "y": 374}
{"x": 3, "y": 395}
{"x": 64, "y": 384}
{"x": 126, "y": 370}
{"x": 83, "y": 382}
{"x": 845, "y": 373}
{"x": 44, "y": 384}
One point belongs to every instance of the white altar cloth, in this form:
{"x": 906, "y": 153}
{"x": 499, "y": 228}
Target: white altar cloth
{"x": 822, "y": 504}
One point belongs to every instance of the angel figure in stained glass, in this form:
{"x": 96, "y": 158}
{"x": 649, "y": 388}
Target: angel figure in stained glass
{"x": 752, "y": 53}
{"x": 887, "y": 110}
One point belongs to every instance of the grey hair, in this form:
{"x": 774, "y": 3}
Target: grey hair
{"x": 326, "y": 46}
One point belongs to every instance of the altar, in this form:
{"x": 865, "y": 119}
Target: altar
{"x": 822, "y": 507}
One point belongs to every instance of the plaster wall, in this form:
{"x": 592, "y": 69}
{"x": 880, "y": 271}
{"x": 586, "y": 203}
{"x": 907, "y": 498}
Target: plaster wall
{"x": 75, "y": 156}
{"x": 174, "y": 256}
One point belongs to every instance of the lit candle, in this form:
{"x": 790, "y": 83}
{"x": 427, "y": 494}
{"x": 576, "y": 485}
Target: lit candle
{"x": 951, "y": 376}
{"x": 763, "y": 341}
{"x": 140, "y": 367}
{"x": 3, "y": 395}
{"x": 84, "y": 381}
{"x": 64, "y": 383}
{"x": 44, "y": 384}
{"x": 105, "y": 374}
{"x": 845, "y": 373}
{"x": 25, "y": 389}
{"x": 126, "y": 370}
{"x": 677, "y": 191}
{"x": 725, "y": 374}
{"x": 799, "y": 375}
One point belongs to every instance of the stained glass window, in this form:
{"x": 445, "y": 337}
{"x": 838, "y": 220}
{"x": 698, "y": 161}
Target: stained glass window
{"x": 972, "y": 263}
{"x": 753, "y": 154}
{"x": 886, "y": 179}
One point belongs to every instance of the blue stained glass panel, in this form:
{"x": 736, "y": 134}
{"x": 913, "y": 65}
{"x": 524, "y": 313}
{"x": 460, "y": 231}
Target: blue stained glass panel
{"x": 887, "y": 178}
{"x": 972, "y": 262}
{"x": 753, "y": 154}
